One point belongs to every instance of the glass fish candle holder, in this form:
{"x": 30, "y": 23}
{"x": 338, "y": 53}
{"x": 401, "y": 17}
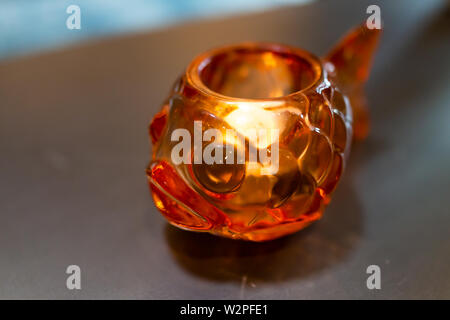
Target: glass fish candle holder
{"x": 253, "y": 138}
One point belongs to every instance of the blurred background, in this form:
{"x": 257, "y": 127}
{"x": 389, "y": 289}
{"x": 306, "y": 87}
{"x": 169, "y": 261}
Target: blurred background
{"x": 30, "y": 26}
{"x": 74, "y": 110}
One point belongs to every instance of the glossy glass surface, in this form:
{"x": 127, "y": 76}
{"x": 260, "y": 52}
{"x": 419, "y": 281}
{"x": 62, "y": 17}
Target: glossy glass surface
{"x": 314, "y": 104}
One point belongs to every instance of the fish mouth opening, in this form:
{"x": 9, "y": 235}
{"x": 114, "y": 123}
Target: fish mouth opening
{"x": 256, "y": 71}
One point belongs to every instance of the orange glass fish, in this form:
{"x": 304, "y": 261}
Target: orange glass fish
{"x": 253, "y": 138}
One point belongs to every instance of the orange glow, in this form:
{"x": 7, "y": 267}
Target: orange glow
{"x": 259, "y": 86}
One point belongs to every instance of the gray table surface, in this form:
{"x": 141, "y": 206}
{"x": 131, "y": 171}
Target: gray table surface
{"x": 74, "y": 146}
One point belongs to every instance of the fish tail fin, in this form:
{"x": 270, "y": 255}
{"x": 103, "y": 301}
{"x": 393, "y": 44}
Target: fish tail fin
{"x": 350, "y": 62}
